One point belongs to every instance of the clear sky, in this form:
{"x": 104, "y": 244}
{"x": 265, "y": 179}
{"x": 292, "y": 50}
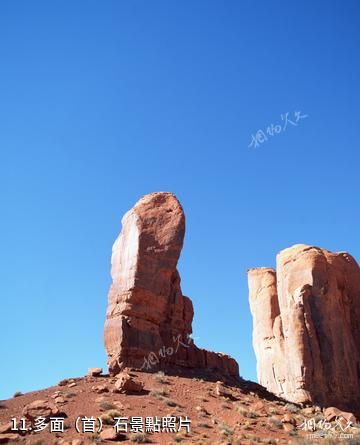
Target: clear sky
{"x": 102, "y": 102}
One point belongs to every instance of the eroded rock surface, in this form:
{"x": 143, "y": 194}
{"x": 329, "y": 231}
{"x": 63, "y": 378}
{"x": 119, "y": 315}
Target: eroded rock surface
{"x": 306, "y": 334}
{"x": 148, "y": 321}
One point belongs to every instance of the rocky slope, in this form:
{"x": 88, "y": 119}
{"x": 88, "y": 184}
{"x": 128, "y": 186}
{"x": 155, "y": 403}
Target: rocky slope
{"x": 220, "y": 412}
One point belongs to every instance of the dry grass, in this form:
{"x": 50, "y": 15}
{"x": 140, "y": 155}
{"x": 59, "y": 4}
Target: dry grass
{"x": 292, "y": 408}
{"x": 160, "y": 377}
{"x": 159, "y": 393}
{"x": 95, "y": 439}
{"x": 246, "y": 413}
{"x": 226, "y": 430}
{"x": 108, "y": 417}
{"x": 179, "y": 437}
{"x": 107, "y": 406}
{"x": 139, "y": 438}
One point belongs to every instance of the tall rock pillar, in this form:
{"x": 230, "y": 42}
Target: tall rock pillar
{"x": 307, "y": 326}
{"x": 148, "y": 320}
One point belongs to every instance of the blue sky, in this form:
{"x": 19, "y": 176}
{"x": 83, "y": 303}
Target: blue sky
{"x": 103, "y": 102}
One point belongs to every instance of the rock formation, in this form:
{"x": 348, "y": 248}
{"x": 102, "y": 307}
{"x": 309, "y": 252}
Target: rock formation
{"x": 306, "y": 334}
{"x": 148, "y": 321}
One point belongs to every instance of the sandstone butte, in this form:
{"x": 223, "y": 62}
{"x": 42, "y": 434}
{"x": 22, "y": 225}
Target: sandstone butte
{"x": 149, "y": 321}
{"x": 306, "y": 326}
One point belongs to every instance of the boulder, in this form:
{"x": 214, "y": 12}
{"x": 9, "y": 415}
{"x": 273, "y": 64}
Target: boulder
{"x": 9, "y": 438}
{"x": 148, "y": 320}
{"x": 6, "y": 428}
{"x": 309, "y": 411}
{"x": 111, "y": 434}
{"x": 125, "y": 383}
{"x": 331, "y": 413}
{"x": 40, "y": 408}
{"x": 100, "y": 389}
{"x": 94, "y": 372}
{"x": 222, "y": 391}
{"x": 287, "y": 418}
{"x": 306, "y": 326}
{"x": 63, "y": 382}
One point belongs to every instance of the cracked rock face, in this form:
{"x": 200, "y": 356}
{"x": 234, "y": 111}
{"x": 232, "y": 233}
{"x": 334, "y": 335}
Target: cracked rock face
{"x": 148, "y": 320}
{"x": 306, "y": 326}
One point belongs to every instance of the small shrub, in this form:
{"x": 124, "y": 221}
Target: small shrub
{"x": 246, "y": 413}
{"x": 204, "y": 425}
{"x": 158, "y": 393}
{"x": 108, "y": 416}
{"x": 242, "y": 410}
{"x": 226, "y": 430}
{"x": 292, "y": 408}
{"x": 17, "y": 394}
{"x": 95, "y": 439}
{"x": 160, "y": 377}
{"x": 106, "y": 406}
{"x": 171, "y": 403}
{"x": 139, "y": 438}
{"x": 293, "y": 433}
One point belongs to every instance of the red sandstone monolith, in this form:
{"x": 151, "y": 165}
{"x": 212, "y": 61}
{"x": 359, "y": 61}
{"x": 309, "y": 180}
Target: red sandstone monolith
{"x": 306, "y": 326}
{"x": 148, "y": 321}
